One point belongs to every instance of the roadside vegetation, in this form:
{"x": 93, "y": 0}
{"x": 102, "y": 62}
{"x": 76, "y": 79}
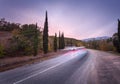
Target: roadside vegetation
{"x": 30, "y": 39}
{"x": 105, "y": 45}
{"x": 110, "y": 44}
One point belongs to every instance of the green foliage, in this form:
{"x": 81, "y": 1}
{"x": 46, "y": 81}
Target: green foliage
{"x": 55, "y": 42}
{"x": 61, "y": 41}
{"x": 7, "y": 26}
{"x": 35, "y": 44}
{"x": 2, "y": 53}
{"x": 105, "y": 45}
{"x": 21, "y": 43}
{"x": 118, "y": 29}
{"x": 73, "y": 42}
{"x": 26, "y": 39}
{"x": 32, "y": 34}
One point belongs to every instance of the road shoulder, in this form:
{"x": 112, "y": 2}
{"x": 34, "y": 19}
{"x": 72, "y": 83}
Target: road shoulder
{"x": 14, "y": 62}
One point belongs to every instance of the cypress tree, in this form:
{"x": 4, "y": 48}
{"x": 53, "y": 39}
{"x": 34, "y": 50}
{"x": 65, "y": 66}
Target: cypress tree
{"x": 45, "y": 35}
{"x": 119, "y": 30}
{"x": 59, "y": 40}
{"x": 62, "y": 41}
{"x": 118, "y": 36}
{"x": 55, "y": 42}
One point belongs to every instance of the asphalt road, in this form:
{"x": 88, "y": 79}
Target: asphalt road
{"x": 75, "y": 67}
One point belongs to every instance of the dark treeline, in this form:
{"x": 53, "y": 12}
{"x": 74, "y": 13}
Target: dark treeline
{"x": 61, "y": 41}
{"x": 55, "y": 43}
{"x": 7, "y": 26}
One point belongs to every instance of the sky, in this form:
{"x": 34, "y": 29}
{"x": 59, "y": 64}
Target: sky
{"x": 78, "y": 19}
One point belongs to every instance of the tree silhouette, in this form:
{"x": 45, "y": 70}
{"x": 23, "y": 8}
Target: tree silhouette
{"x": 116, "y": 38}
{"x": 45, "y": 35}
{"x": 62, "y": 41}
{"x": 118, "y": 29}
{"x": 59, "y": 40}
{"x": 116, "y": 41}
{"x": 55, "y": 42}
{"x": 118, "y": 47}
{"x": 7, "y": 26}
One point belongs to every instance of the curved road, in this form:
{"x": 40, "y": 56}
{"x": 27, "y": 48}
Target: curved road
{"x": 75, "y": 67}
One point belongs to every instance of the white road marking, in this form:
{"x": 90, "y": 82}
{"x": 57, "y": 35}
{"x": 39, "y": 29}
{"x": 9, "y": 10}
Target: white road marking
{"x": 72, "y": 56}
{"x": 38, "y": 73}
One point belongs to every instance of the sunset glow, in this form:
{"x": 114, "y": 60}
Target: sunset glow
{"x": 76, "y": 18}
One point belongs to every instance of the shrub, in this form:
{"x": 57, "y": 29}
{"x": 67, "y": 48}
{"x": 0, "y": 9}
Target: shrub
{"x": 2, "y": 53}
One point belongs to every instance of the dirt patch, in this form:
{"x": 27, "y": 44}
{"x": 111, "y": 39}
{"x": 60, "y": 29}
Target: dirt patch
{"x": 13, "y": 62}
{"x": 108, "y": 67}
{"x": 116, "y": 53}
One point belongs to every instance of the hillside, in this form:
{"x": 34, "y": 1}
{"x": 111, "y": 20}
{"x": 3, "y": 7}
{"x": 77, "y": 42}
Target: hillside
{"x": 68, "y": 41}
{"x": 96, "y": 38}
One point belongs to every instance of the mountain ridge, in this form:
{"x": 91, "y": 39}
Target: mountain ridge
{"x": 97, "y": 38}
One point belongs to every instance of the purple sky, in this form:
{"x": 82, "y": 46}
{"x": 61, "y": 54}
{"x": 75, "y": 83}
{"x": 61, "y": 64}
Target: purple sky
{"x": 76, "y": 18}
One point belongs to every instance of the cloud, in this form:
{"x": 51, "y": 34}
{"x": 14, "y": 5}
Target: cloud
{"x": 76, "y": 18}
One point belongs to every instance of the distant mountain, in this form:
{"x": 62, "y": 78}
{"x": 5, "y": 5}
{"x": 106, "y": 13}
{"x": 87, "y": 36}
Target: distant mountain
{"x": 96, "y": 38}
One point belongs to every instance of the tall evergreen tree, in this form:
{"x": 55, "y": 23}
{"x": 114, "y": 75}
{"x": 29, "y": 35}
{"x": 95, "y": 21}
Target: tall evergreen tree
{"x": 116, "y": 38}
{"x": 59, "y": 40}
{"x": 55, "y": 42}
{"x": 119, "y": 30}
{"x": 62, "y": 41}
{"x": 45, "y": 35}
{"x": 118, "y": 47}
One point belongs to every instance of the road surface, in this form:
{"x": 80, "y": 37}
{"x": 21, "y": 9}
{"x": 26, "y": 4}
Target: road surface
{"x": 75, "y": 67}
